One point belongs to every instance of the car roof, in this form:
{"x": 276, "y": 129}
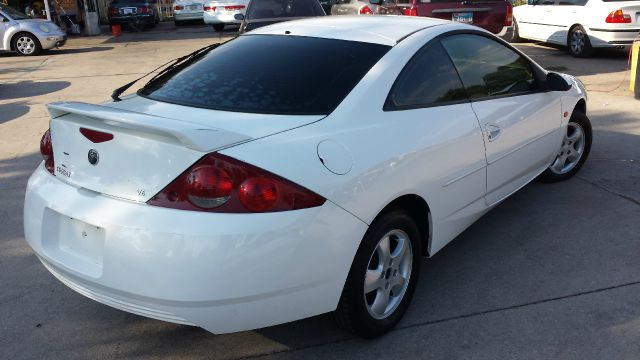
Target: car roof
{"x": 385, "y": 30}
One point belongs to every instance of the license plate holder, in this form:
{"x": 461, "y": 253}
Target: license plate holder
{"x": 463, "y": 17}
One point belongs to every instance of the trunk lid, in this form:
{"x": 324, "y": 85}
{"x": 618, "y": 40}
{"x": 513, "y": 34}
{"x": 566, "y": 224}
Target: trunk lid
{"x": 148, "y": 144}
{"x": 489, "y": 15}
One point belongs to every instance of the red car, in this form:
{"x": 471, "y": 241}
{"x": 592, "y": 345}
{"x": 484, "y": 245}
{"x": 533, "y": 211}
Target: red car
{"x": 492, "y": 15}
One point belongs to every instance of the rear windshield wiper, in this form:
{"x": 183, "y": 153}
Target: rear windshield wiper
{"x": 174, "y": 64}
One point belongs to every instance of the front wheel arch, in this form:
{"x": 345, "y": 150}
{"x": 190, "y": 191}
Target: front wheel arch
{"x": 12, "y": 42}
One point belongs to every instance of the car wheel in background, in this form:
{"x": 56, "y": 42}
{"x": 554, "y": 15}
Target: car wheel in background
{"x": 383, "y": 276}
{"x": 513, "y": 35}
{"x": 177, "y": 23}
{"x": 573, "y": 151}
{"x": 218, "y": 27}
{"x": 26, "y": 44}
{"x": 579, "y": 43}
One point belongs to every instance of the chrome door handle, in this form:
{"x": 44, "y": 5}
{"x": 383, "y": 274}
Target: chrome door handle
{"x": 493, "y": 131}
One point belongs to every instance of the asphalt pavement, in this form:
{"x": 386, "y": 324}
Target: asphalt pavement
{"x": 551, "y": 273}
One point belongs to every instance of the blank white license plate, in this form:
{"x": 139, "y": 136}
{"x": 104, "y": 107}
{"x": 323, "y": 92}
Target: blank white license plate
{"x": 81, "y": 239}
{"x": 127, "y": 11}
{"x": 193, "y": 7}
{"x": 466, "y": 17}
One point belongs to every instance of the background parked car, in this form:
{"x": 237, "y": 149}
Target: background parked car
{"x": 365, "y": 7}
{"x": 492, "y": 15}
{"x": 188, "y": 10}
{"x": 27, "y": 36}
{"x": 220, "y": 13}
{"x": 579, "y": 24}
{"x": 266, "y": 12}
{"x": 133, "y": 12}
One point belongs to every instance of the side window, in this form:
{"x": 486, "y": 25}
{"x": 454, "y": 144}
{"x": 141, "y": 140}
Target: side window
{"x": 573, "y": 2}
{"x": 545, "y": 2}
{"x": 488, "y": 68}
{"x": 428, "y": 79}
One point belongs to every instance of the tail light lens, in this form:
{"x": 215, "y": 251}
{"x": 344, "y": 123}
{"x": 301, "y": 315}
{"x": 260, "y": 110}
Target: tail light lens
{"x": 218, "y": 183}
{"x": 365, "y": 10}
{"x": 412, "y": 11}
{"x": 114, "y": 11}
{"x": 618, "y": 17}
{"x": 46, "y": 149}
{"x": 178, "y": 7}
{"x": 234, "y": 7}
{"x": 209, "y": 8}
{"x": 508, "y": 21}
{"x": 143, "y": 9}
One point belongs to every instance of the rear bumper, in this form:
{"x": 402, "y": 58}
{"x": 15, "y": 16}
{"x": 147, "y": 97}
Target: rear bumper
{"x": 601, "y": 37}
{"x": 222, "y": 272}
{"x": 182, "y": 15}
{"x": 216, "y": 18}
{"x": 141, "y": 18}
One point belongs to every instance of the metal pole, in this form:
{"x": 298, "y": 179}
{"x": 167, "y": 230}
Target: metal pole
{"x": 47, "y": 10}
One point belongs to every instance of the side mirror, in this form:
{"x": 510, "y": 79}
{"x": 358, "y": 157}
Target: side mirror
{"x": 238, "y": 17}
{"x": 555, "y": 82}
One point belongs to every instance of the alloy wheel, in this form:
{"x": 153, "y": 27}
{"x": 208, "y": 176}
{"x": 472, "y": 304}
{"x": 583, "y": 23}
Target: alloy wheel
{"x": 571, "y": 150}
{"x": 25, "y": 45}
{"x": 388, "y": 273}
{"x": 578, "y": 41}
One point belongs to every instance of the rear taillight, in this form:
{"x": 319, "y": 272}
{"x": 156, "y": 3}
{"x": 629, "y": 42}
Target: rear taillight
{"x": 412, "y": 11}
{"x": 618, "y": 17}
{"x": 46, "y": 149}
{"x": 143, "y": 9}
{"x": 218, "y": 183}
{"x": 178, "y": 7}
{"x": 114, "y": 11}
{"x": 508, "y": 21}
{"x": 234, "y": 7}
{"x": 365, "y": 10}
{"x": 209, "y": 8}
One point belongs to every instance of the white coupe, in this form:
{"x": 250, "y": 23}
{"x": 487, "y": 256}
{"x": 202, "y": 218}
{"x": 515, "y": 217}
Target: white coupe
{"x": 299, "y": 169}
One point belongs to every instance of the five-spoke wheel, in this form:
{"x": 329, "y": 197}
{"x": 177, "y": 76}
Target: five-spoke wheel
{"x": 573, "y": 151}
{"x": 383, "y": 276}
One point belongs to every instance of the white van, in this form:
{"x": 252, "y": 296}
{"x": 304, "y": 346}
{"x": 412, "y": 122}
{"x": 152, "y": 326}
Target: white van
{"x": 579, "y": 24}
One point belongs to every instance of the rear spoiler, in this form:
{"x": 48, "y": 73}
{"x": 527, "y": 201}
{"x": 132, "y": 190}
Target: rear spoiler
{"x": 193, "y": 136}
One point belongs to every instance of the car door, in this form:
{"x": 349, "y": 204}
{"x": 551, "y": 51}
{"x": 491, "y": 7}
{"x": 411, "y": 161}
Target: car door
{"x": 534, "y": 22}
{"x": 429, "y": 99}
{"x": 565, "y": 13}
{"x": 520, "y": 122}
{"x": 4, "y": 25}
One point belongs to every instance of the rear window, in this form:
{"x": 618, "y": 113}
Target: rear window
{"x": 270, "y": 74}
{"x": 269, "y": 9}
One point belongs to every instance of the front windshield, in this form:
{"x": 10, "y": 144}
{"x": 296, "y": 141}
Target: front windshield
{"x": 271, "y": 9}
{"x": 14, "y": 14}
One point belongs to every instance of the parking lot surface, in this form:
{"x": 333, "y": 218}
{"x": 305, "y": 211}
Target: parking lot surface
{"x": 553, "y": 272}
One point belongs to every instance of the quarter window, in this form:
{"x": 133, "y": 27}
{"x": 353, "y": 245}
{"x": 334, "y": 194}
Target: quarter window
{"x": 428, "y": 79}
{"x": 488, "y": 68}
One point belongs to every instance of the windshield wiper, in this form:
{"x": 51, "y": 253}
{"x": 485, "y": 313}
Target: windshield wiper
{"x": 174, "y": 64}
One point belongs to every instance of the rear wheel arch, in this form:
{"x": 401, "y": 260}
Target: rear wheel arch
{"x": 418, "y": 209}
{"x": 568, "y": 39}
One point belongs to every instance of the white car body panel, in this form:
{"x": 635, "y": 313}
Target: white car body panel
{"x": 552, "y": 23}
{"x": 222, "y": 16}
{"x": 232, "y": 272}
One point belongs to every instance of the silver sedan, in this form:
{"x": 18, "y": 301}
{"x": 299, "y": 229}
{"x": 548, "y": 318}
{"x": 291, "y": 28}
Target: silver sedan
{"x": 25, "y": 35}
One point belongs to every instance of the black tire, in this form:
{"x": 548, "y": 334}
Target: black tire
{"x": 218, "y": 27}
{"x": 515, "y": 33}
{"x": 177, "y": 23}
{"x": 34, "y": 48}
{"x": 352, "y": 313}
{"x": 579, "y": 43}
{"x": 577, "y": 119}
